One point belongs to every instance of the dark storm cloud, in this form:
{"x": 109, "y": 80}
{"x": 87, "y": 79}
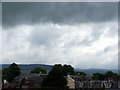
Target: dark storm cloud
{"x": 62, "y": 13}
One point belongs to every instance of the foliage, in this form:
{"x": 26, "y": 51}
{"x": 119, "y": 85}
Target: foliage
{"x": 11, "y": 72}
{"x": 26, "y": 68}
{"x": 4, "y": 73}
{"x": 80, "y": 73}
{"x": 107, "y": 76}
{"x": 97, "y": 76}
{"x": 112, "y": 76}
{"x": 55, "y": 78}
{"x": 68, "y": 69}
{"x": 39, "y": 70}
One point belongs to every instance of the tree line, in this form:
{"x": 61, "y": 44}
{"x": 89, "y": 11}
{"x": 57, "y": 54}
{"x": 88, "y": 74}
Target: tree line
{"x": 56, "y": 76}
{"x": 107, "y": 76}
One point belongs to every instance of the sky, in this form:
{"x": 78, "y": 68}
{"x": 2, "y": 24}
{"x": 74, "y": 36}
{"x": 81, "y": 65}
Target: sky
{"x": 82, "y": 34}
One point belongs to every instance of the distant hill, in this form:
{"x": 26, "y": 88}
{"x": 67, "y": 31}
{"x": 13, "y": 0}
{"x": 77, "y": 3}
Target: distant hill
{"x": 91, "y": 71}
{"x": 26, "y": 68}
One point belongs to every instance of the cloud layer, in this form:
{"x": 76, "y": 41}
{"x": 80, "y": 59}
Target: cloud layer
{"x": 62, "y": 13}
{"x": 84, "y": 35}
{"x": 52, "y": 43}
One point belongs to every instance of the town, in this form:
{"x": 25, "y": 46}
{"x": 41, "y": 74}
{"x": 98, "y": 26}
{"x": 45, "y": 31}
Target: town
{"x": 59, "y": 77}
{"x": 69, "y": 36}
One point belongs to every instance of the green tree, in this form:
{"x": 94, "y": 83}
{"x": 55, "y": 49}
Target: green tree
{"x": 68, "y": 69}
{"x": 11, "y": 72}
{"x": 112, "y": 76}
{"x": 55, "y": 78}
{"x": 39, "y": 70}
{"x": 4, "y": 73}
{"x": 118, "y": 77}
{"x": 80, "y": 73}
{"x": 98, "y": 76}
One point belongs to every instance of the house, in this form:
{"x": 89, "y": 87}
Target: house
{"x": 81, "y": 77}
{"x": 70, "y": 82}
{"x": 88, "y": 83}
{"x": 29, "y": 80}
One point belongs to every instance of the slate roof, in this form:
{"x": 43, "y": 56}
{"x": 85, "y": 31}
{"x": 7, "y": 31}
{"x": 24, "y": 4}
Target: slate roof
{"x": 31, "y": 80}
{"x": 96, "y": 84}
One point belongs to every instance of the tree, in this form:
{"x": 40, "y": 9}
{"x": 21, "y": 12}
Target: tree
{"x": 80, "y": 73}
{"x": 4, "y": 73}
{"x": 55, "y": 78}
{"x": 68, "y": 69}
{"x": 112, "y": 76}
{"x": 11, "y": 72}
{"x": 39, "y": 70}
{"x": 118, "y": 77}
{"x": 97, "y": 76}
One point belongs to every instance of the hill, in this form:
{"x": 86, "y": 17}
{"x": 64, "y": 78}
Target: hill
{"x": 91, "y": 71}
{"x": 26, "y": 68}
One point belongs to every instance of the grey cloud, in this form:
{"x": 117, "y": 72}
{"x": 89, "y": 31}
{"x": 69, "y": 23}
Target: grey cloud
{"x": 95, "y": 35}
{"x": 62, "y": 13}
{"x": 109, "y": 48}
{"x": 43, "y": 36}
{"x": 76, "y": 42}
{"x": 113, "y": 30}
{"x": 96, "y": 32}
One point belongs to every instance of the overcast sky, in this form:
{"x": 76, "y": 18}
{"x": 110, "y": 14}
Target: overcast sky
{"x": 84, "y": 35}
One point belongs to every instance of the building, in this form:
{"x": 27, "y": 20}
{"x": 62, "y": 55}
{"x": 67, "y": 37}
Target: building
{"x": 70, "y": 82}
{"x": 73, "y": 82}
{"x": 26, "y": 81}
{"x": 86, "y": 82}
{"x": 29, "y": 80}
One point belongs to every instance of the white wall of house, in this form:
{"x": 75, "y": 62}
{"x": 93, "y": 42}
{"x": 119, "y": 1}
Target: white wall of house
{"x": 70, "y": 82}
